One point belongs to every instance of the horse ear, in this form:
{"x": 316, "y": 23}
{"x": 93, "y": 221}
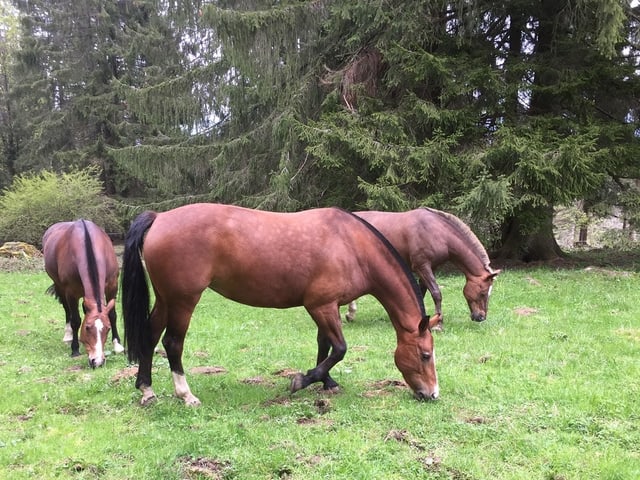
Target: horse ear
{"x": 494, "y": 274}
{"x": 110, "y": 306}
{"x": 433, "y": 321}
{"x": 424, "y": 325}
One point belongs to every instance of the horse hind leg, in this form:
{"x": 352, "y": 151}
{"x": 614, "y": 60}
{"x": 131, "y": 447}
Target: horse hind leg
{"x": 173, "y": 342}
{"x": 157, "y": 320}
{"x": 330, "y": 339}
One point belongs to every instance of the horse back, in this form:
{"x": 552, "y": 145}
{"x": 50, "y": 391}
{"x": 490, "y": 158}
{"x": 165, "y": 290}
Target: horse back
{"x": 66, "y": 259}
{"x": 418, "y": 235}
{"x": 260, "y": 258}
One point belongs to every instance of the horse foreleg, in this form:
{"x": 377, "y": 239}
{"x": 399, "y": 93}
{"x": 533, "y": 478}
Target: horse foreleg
{"x": 428, "y": 281}
{"x": 143, "y": 379}
{"x": 115, "y": 338}
{"x": 68, "y": 333}
{"x": 329, "y": 338}
{"x": 324, "y": 345}
{"x": 73, "y": 320}
{"x": 351, "y": 313}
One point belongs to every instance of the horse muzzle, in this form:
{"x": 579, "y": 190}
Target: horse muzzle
{"x": 478, "y": 317}
{"x": 96, "y": 362}
{"x": 423, "y": 395}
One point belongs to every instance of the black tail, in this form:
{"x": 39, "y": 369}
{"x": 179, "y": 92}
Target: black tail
{"x": 135, "y": 290}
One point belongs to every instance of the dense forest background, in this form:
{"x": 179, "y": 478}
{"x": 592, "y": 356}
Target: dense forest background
{"x": 497, "y": 111}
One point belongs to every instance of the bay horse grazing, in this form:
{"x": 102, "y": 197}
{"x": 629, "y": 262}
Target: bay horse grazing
{"x": 319, "y": 259}
{"x": 80, "y": 259}
{"x": 427, "y": 238}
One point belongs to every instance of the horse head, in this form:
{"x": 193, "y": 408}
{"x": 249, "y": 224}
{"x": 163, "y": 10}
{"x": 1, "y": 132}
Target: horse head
{"x": 477, "y": 291}
{"x": 415, "y": 358}
{"x": 94, "y": 330}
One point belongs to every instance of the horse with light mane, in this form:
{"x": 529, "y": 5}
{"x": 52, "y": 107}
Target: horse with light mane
{"x": 427, "y": 238}
{"x": 319, "y": 259}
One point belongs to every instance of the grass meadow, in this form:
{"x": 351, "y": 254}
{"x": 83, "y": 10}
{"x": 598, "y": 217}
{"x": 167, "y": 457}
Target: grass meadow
{"x": 547, "y": 388}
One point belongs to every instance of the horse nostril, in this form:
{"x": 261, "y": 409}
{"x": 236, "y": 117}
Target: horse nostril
{"x": 434, "y": 396}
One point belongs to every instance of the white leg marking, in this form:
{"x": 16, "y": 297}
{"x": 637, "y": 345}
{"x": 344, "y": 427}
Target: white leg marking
{"x": 68, "y": 334}
{"x": 148, "y": 395}
{"x": 117, "y": 348}
{"x": 183, "y": 391}
{"x": 351, "y": 314}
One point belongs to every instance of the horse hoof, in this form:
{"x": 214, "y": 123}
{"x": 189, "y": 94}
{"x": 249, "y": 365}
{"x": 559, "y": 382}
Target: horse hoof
{"x": 334, "y": 390}
{"x": 117, "y": 348}
{"x": 297, "y": 383}
{"x": 192, "y": 401}
{"x": 147, "y": 400}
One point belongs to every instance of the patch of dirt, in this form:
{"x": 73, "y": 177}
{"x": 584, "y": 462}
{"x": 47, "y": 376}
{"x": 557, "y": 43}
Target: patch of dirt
{"x": 286, "y": 373}
{"x": 208, "y": 370}
{"x": 282, "y": 400}
{"x": 323, "y": 405}
{"x": 476, "y": 420}
{"x": 484, "y": 358}
{"x": 389, "y": 383}
{"x": 383, "y": 387}
{"x": 402, "y": 436}
{"x": 630, "y": 333}
{"x": 525, "y": 311}
{"x": 125, "y": 373}
{"x": 256, "y": 381}
{"x": 202, "y": 467}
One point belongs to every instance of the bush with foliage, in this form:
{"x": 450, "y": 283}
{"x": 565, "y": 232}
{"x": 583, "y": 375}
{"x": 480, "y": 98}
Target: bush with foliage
{"x": 33, "y": 203}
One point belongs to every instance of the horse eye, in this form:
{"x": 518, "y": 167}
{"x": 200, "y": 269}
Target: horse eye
{"x": 426, "y": 356}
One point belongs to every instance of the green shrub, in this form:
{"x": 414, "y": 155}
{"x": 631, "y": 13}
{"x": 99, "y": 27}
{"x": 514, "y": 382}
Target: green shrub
{"x": 34, "y": 202}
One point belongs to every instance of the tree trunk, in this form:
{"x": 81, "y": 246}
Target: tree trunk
{"x": 520, "y": 243}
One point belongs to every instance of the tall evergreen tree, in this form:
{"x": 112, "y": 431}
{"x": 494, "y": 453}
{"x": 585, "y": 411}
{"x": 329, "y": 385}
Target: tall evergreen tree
{"x": 502, "y": 110}
{"x": 76, "y": 61}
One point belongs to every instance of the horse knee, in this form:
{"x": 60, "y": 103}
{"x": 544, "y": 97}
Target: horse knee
{"x": 339, "y": 351}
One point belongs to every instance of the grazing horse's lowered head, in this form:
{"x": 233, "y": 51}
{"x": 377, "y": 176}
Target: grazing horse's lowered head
{"x": 94, "y": 329}
{"x": 477, "y": 291}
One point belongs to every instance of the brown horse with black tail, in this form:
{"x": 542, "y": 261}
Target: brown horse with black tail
{"x": 319, "y": 259}
{"x": 427, "y": 238}
{"x": 80, "y": 259}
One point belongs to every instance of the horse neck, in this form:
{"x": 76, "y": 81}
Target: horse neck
{"x": 465, "y": 257}
{"x": 400, "y": 301}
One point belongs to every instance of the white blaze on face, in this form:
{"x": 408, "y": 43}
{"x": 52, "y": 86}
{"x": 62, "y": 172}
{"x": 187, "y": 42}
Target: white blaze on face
{"x": 98, "y": 353}
{"x": 489, "y": 292}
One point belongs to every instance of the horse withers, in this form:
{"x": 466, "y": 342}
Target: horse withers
{"x": 426, "y": 238}
{"x": 80, "y": 259}
{"x": 319, "y": 259}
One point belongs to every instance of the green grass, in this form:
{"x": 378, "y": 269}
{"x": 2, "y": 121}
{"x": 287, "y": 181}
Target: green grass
{"x": 546, "y": 388}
